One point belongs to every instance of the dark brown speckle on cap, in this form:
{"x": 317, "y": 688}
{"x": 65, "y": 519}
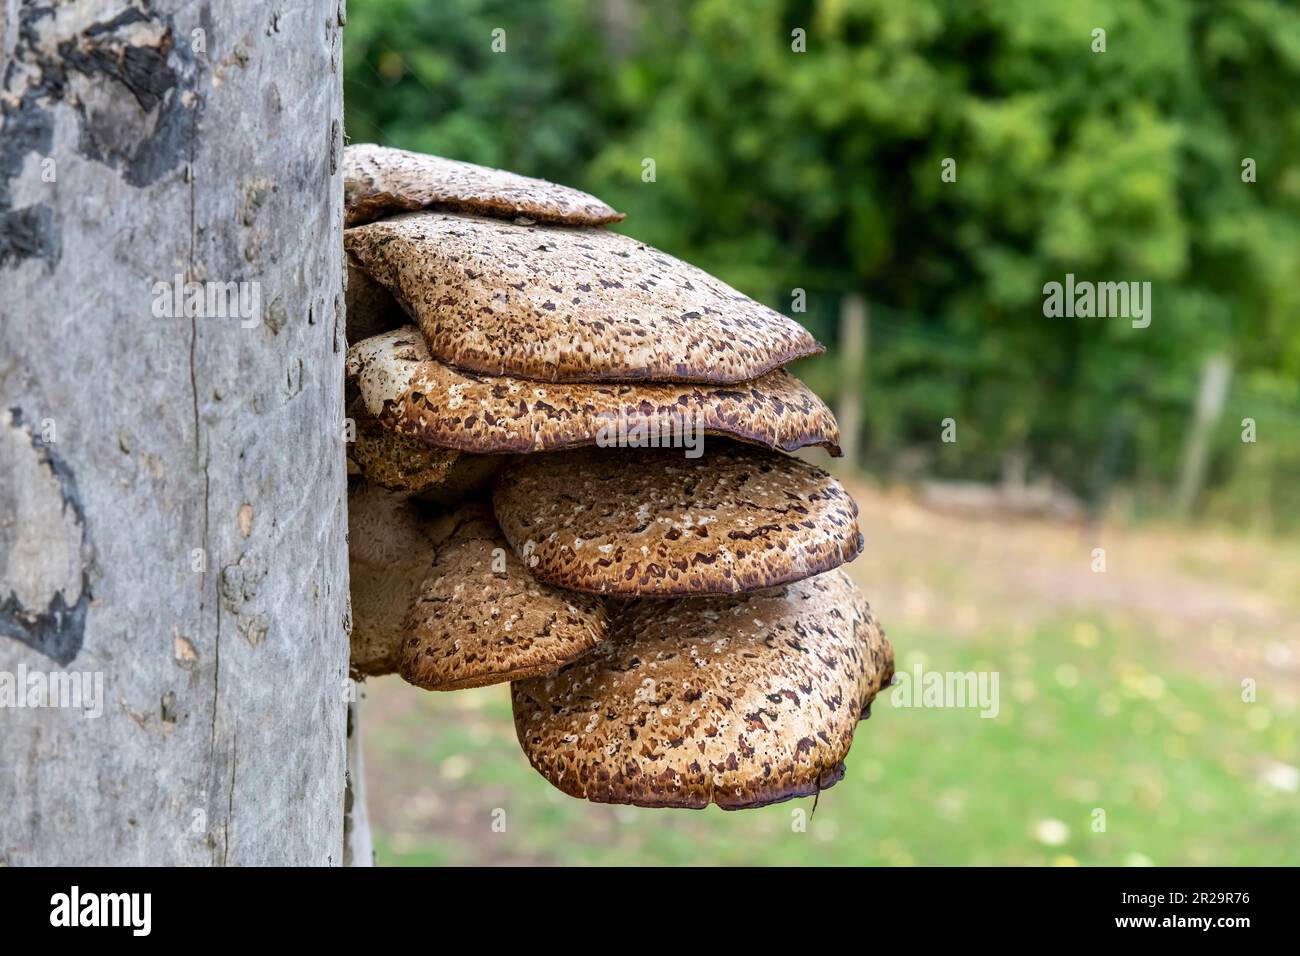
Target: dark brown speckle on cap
{"x": 399, "y": 462}
{"x": 568, "y": 305}
{"x": 411, "y": 393}
{"x": 651, "y": 523}
{"x": 380, "y": 180}
{"x": 740, "y": 701}
{"x": 393, "y": 460}
{"x": 481, "y": 618}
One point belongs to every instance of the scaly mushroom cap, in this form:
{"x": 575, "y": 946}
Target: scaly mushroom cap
{"x": 474, "y": 623}
{"x": 412, "y": 393}
{"x": 739, "y": 701}
{"x": 566, "y": 305}
{"x": 632, "y": 522}
{"x": 379, "y": 181}
{"x": 399, "y": 462}
{"x": 391, "y": 545}
{"x": 395, "y": 461}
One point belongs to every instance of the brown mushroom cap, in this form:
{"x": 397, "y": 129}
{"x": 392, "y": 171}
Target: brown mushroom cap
{"x": 474, "y": 624}
{"x": 399, "y": 462}
{"x": 379, "y": 180}
{"x": 741, "y": 701}
{"x": 391, "y": 545}
{"x": 633, "y": 522}
{"x": 566, "y": 305}
{"x": 395, "y": 461}
{"x": 412, "y": 393}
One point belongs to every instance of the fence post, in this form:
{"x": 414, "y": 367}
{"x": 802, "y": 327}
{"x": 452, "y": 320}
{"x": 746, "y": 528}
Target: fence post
{"x": 1210, "y": 398}
{"x": 854, "y": 342}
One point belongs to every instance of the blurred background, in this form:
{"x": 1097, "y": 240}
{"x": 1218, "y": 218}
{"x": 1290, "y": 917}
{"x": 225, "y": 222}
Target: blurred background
{"x": 1164, "y": 690}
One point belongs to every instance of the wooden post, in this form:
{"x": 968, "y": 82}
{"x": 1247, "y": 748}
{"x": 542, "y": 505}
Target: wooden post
{"x": 172, "y": 480}
{"x": 853, "y": 345}
{"x": 1210, "y": 399}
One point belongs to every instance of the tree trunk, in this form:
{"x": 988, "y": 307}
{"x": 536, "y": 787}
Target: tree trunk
{"x": 172, "y": 486}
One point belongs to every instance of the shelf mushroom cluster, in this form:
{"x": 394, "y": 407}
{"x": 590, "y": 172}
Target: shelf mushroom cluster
{"x": 570, "y": 472}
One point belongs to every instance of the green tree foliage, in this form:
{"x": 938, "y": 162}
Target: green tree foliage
{"x": 822, "y": 170}
{"x": 426, "y": 76}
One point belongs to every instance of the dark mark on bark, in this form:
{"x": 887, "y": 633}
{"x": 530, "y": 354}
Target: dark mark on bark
{"x": 57, "y": 630}
{"x": 145, "y": 136}
{"x": 28, "y": 232}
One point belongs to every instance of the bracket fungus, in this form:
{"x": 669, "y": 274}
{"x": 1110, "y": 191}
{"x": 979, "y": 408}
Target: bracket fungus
{"x": 379, "y": 181}
{"x": 739, "y": 701}
{"x": 638, "y": 523}
{"x": 391, "y": 544}
{"x": 535, "y": 502}
{"x": 480, "y": 618}
{"x": 399, "y": 462}
{"x": 414, "y": 394}
{"x": 559, "y": 304}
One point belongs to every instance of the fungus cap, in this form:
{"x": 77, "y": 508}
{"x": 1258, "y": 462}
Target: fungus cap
{"x": 631, "y": 522}
{"x": 391, "y": 546}
{"x": 379, "y": 181}
{"x": 411, "y": 393}
{"x": 480, "y": 617}
{"x": 399, "y": 462}
{"x": 393, "y": 460}
{"x": 566, "y": 305}
{"x": 740, "y": 701}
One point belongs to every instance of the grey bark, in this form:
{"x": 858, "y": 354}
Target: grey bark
{"x": 172, "y": 489}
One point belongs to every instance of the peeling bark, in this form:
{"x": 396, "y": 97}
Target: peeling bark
{"x": 172, "y": 486}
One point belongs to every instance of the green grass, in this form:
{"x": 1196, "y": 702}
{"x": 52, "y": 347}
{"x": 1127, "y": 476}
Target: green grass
{"x": 1093, "y": 716}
